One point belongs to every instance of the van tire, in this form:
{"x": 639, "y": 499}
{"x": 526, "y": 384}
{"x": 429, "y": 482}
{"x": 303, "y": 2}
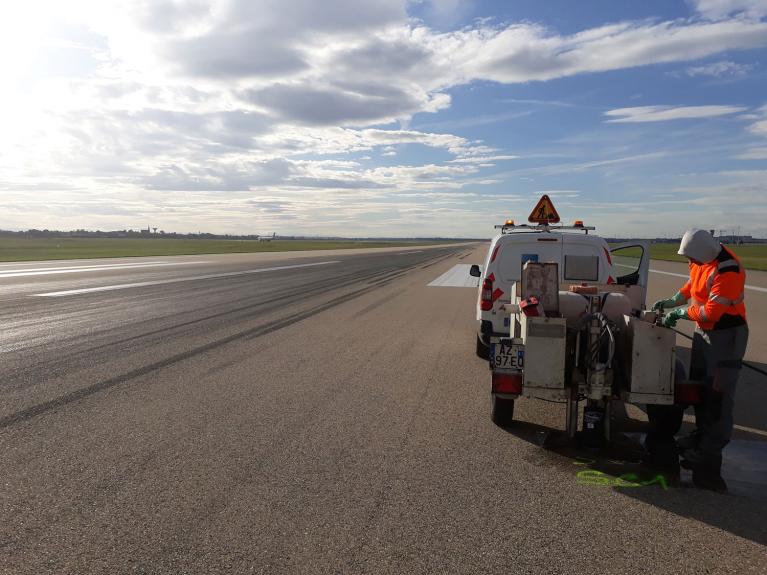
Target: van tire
{"x": 483, "y": 351}
{"x": 501, "y": 410}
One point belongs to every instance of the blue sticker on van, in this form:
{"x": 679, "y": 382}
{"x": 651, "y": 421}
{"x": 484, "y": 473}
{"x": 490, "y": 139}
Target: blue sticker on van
{"x": 529, "y": 258}
{"x": 507, "y": 321}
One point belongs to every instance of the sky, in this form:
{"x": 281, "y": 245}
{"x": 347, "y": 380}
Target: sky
{"x": 383, "y": 117}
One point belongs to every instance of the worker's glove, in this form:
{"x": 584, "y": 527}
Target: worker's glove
{"x": 675, "y": 301}
{"x": 671, "y": 319}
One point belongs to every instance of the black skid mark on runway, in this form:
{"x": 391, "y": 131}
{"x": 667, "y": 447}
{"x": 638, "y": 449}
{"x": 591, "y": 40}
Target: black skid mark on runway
{"x": 252, "y": 333}
{"x": 436, "y": 261}
{"x": 378, "y": 278}
{"x": 378, "y": 303}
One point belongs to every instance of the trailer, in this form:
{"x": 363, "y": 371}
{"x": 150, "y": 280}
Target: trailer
{"x": 562, "y": 317}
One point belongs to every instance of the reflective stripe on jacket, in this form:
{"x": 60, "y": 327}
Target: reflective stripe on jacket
{"x": 715, "y": 292}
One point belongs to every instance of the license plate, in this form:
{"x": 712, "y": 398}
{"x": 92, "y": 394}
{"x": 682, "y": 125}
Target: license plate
{"x": 506, "y": 355}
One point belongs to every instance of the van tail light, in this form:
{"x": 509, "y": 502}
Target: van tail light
{"x": 507, "y": 383}
{"x": 486, "y": 299}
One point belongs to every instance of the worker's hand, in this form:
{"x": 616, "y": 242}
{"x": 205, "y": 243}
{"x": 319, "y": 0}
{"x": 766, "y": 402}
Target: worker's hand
{"x": 663, "y": 303}
{"x": 675, "y": 301}
{"x": 671, "y": 319}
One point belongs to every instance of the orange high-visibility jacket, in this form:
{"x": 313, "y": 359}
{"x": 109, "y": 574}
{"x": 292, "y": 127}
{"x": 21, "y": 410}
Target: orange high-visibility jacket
{"x": 715, "y": 292}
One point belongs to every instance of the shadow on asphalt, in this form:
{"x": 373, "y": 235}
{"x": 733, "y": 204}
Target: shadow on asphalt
{"x": 620, "y": 466}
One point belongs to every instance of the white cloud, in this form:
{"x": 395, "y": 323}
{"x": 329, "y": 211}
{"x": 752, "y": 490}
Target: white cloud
{"x": 753, "y": 154}
{"x": 723, "y": 69}
{"x": 759, "y": 127}
{"x": 564, "y": 193}
{"x": 666, "y": 113}
{"x": 525, "y": 52}
{"x": 353, "y": 63}
{"x": 162, "y": 98}
{"x": 389, "y": 137}
{"x": 483, "y": 159}
{"x": 718, "y": 9}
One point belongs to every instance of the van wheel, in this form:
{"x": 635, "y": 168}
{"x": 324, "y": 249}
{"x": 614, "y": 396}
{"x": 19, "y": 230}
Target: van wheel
{"x": 483, "y": 351}
{"x": 502, "y": 410}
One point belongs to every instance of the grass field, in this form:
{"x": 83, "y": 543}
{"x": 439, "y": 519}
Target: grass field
{"x": 34, "y": 249}
{"x": 753, "y": 256}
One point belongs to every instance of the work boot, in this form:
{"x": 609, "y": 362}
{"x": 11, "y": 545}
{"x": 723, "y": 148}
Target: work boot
{"x": 709, "y": 480}
{"x": 706, "y": 470}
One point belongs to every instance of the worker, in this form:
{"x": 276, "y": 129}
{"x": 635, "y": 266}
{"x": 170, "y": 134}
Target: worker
{"x": 715, "y": 293}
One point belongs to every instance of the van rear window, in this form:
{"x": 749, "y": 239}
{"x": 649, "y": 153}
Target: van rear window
{"x": 582, "y": 268}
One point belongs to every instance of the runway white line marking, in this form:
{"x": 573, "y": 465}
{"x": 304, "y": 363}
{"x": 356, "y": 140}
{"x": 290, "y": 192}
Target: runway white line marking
{"x": 691, "y": 419}
{"x": 755, "y": 288}
{"x": 408, "y": 253}
{"x": 750, "y": 430}
{"x": 685, "y": 276}
{"x": 177, "y": 280}
{"x": 457, "y": 276}
{"x": 21, "y": 272}
{"x": 84, "y": 261}
{"x": 59, "y": 265}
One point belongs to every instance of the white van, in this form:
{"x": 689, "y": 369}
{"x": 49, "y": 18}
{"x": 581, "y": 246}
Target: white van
{"x": 582, "y": 258}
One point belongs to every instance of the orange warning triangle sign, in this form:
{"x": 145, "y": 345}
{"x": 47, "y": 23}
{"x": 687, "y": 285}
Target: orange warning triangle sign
{"x": 544, "y": 212}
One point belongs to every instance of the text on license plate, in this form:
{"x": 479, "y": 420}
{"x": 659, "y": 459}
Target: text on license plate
{"x": 508, "y": 355}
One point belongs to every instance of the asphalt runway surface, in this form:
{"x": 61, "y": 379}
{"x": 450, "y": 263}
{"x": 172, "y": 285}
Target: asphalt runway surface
{"x": 314, "y": 413}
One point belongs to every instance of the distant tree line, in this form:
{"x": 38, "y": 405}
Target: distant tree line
{"x": 144, "y": 233}
{"x": 154, "y": 233}
{"x": 729, "y": 239}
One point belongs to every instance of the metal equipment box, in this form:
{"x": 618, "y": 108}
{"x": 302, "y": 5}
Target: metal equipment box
{"x": 650, "y": 362}
{"x": 541, "y": 280}
{"x": 545, "y": 341}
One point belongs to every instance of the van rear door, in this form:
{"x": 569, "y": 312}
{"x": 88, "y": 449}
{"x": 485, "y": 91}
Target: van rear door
{"x": 631, "y": 266}
{"x": 521, "y": 248}
{"x": 506, "y": 261}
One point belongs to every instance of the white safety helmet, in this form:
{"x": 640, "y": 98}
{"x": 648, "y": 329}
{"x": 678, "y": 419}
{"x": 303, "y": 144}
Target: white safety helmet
{"x": 699, "y": 245}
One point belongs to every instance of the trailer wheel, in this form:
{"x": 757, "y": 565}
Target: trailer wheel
{"x": 666, "y": 420}
{"x": 502, "y": 410}
{"x": 662, "y": 452}
{"x": 483, "y": 351}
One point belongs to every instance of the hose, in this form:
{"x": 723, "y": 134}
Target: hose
{"x": 745, "y": 363}
{"x": 597, "y": 345}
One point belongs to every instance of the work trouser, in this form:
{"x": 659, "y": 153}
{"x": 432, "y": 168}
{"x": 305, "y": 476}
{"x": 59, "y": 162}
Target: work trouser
{"x": 717, "y": 358}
